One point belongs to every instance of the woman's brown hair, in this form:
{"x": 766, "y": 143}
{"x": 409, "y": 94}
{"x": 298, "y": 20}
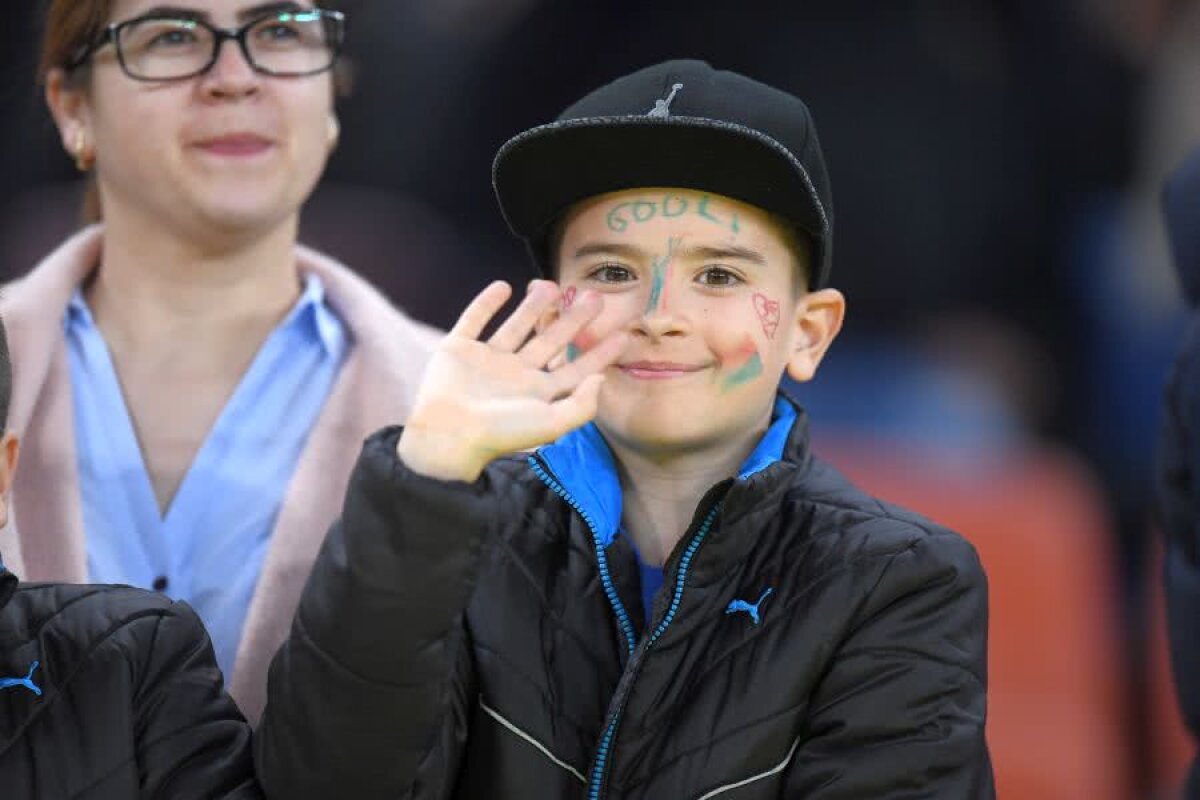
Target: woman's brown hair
{"x": 72, "y": 25}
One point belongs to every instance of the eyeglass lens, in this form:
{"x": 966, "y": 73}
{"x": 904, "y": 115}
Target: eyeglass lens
{"x": 298, "y": 43}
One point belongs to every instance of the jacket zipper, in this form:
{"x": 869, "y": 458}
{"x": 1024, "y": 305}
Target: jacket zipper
{"x": 543, "y": 473}
{"x": 600, "y": 769}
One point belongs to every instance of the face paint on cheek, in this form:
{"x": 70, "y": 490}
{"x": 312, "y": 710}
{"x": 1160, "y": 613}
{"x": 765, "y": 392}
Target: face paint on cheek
{"x": 568, "y": 297}
{"x": 741, "y": 366}
{"x": 768, "y": 314}
{"x": 581, "y": 344}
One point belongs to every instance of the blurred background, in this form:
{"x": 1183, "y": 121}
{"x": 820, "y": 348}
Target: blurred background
{"x": 996, "y": 167}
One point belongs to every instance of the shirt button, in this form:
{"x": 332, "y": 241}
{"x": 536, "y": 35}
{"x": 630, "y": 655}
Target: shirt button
{"x": 160, "y": 583}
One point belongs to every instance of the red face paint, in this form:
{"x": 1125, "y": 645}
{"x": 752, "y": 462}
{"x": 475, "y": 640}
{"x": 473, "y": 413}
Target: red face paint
{"x": 741, "y": 365}
{"x": 568, "y": 297}
{"x": 732, "y": 359}
{"x": 582, "y": 342}
{"x": 768, "y": 314}
{"x": 585, "y": 340}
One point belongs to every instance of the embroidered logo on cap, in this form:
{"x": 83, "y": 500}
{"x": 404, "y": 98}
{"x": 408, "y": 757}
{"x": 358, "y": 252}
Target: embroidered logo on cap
{"x": 662, "y": 108}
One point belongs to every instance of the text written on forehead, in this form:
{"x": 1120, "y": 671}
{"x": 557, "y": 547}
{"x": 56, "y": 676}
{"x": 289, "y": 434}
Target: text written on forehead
{"x": 641, "y": 210}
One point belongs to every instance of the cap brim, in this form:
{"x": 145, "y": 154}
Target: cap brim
{"x": 538, "y": 174}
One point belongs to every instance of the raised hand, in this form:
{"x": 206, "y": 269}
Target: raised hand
{"x": 481, "y": 400}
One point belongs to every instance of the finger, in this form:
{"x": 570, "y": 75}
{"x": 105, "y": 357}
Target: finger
{"x": 513, "y": 332}
{"x": 566, "y": 378}
{"x": 578, "y": 408}
{"x": 479, "y": 312}
{"x": 539, "y": 350}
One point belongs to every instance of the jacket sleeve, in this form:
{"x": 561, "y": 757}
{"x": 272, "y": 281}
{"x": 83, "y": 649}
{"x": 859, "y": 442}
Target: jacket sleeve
{"x": 370, "y": 694}
{"x": 192, "y": 742}
{"x": 1178, "y": 512}
{"x": 901, "y": 710}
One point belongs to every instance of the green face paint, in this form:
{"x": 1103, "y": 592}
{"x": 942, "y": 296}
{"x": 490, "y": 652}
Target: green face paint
{"x": 674, "y": 209}
{"x": 660, "y": 270}
{"x": 572, "y": 352}
{"x": 703, "y": 211}
{"x": 655, "y": 288}
{"x": 744, "y": 374}
{"x": 634, "y": 212}
{"x": 742, "y": 365}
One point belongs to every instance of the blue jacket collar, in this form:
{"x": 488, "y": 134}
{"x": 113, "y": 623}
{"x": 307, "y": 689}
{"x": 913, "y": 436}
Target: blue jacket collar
{"x": 584, "y": 465}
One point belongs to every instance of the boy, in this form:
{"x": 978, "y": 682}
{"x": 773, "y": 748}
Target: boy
{"x": 108, "y": 691}
{"x": 677, "y": 599}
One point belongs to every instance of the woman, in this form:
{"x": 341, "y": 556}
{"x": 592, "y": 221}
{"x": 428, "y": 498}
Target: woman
{"x": 190, "y": 385}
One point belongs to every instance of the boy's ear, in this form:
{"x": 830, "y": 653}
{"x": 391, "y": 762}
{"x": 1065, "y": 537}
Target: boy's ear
{"x": 819, "y": 317}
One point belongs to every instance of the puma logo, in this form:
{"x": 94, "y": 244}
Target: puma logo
{"x": 662, "y": 108}
{"x": 752, "y": 610}
{"x": 27, "y": 681}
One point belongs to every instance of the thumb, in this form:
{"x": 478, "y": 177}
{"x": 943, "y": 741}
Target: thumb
{"x": 580, "y": 407}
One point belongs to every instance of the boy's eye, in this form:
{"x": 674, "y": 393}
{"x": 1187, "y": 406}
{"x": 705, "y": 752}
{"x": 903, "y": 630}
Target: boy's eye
{"x": 611, "y": 273}
{"x": 718, "y": 276}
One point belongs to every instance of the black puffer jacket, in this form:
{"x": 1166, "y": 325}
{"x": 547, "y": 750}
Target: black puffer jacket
{"x": 1178, "y": 468}
{"x": 111, "y": 692}
{"x": 484, "y": 641}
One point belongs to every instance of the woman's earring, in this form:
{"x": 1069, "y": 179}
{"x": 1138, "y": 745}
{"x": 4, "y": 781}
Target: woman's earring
{"x": 334, "y": 133}
{"x": 84, "y": 157}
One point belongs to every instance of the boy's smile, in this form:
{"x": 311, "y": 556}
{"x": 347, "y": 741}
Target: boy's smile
{"x": 707, "y": 288}
{"x": 659, "y": 370}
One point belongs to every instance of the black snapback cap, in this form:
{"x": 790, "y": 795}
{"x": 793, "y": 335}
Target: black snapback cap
{"x": 676, "y": 124}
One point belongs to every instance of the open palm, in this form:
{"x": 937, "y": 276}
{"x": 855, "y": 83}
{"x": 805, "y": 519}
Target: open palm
{"x": 483, "y": 399}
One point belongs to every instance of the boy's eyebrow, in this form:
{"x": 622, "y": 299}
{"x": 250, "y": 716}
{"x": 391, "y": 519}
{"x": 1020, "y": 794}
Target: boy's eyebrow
{"x": 702, "y": 252}
{"x": 723, "y": 253}
{"x": 608, "y": 249}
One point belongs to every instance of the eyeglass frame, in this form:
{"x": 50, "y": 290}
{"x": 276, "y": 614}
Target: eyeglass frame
{"x": 111, "y": 34}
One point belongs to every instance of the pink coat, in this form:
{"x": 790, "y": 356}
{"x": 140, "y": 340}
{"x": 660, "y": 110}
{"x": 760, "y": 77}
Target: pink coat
{"x": 44, "y": 540}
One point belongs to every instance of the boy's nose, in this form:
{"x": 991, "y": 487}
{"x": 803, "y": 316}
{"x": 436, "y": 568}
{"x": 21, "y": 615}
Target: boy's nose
{"x": 660, "y": 321}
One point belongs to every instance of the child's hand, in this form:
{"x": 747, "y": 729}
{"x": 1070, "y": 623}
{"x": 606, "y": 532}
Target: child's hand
{"x": 481, "y": 400}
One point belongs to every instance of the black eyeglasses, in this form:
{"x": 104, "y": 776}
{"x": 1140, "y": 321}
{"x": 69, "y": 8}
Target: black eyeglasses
{"x": 290, "y": 44}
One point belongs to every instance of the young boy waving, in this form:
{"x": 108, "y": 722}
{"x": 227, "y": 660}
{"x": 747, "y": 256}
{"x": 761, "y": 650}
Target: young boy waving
{"x": 671, "y": 596}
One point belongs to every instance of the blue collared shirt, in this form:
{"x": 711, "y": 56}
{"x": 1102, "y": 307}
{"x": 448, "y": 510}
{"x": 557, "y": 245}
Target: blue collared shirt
{"x": 209, "y": 547}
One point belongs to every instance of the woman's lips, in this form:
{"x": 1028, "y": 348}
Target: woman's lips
{"x": 236, "y": 146}
{"x": 658, "y": 370}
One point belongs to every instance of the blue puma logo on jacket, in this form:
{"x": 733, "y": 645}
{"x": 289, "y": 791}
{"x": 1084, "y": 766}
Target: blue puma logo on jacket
{"x": 27, "y": 681}
{"x": 752, "y": 610}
